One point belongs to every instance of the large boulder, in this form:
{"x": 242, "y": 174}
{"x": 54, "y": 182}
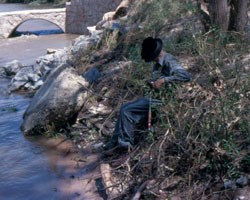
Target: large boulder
{"x": 122, "y": 9}
{"x": 56, "y": 103}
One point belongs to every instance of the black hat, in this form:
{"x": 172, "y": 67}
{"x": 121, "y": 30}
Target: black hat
{"x": 151, "y": 48}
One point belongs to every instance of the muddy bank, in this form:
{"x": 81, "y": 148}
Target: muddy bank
{"x": 39, "y": 167}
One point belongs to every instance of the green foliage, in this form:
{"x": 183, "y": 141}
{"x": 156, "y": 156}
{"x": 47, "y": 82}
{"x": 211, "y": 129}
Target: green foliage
{"x": 141, "y": 72}
{"x": 245, "y": 163}
{"x": 154, "y": 15}
{"x": 110, "y": 39}
{"x": 183, "y": 43}
{"x": 154, "y": 18}
{"x": 201, "y": 131}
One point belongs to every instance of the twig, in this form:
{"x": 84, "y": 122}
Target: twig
{"x": 160, "y": 150}
{"x": 171, "y": 128}
{"x": 144, "y": 155}
{"x": 96, "y": 94}
{"x": 105, "y": 121}
{"x": 139, "y": 191}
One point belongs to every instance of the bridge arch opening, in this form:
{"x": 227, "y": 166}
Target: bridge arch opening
{"x": 36, "y": 26}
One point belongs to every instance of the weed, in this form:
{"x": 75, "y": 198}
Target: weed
{"x": 202, "y": 131}
{"x": 110, "y": 39}
{"x": 207, "y": 126}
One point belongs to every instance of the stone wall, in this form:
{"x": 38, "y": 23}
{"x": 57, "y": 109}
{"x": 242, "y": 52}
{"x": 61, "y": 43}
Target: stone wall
{"x": 83, "y": 13}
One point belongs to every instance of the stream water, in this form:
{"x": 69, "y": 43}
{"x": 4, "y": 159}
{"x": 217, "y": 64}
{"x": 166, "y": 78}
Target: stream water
{"x": 34, "y": 168}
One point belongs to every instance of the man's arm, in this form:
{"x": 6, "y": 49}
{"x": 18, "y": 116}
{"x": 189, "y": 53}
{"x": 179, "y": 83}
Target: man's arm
{"x": 178, "y": 75}
{"x": 176, "y": 72}
{"x": 172, "y": 72}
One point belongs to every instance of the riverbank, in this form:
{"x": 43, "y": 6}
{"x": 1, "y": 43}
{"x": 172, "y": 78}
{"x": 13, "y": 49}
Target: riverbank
{"x": 199, "y": 149}
{"x": 41, "y": 167}
{"x": 37, "y": 167}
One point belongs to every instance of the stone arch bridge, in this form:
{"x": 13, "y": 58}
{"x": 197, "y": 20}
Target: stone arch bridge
{"x": 9, "y": 21}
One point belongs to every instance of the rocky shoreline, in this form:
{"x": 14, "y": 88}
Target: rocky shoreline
{"x": 48, "y": 114}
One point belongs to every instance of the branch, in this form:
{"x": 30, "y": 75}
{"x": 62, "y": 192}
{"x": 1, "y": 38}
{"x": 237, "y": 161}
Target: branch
{"x": 139, "y": 191}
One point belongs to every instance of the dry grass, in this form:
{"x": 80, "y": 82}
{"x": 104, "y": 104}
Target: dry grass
{"x": 202, "y": 132}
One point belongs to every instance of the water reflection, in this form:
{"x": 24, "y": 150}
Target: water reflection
{"x": 36, "y": 27}
{"x": 39, "y": 167}
{"x": 28, "y": 48}
{"x": 20, "y": 167}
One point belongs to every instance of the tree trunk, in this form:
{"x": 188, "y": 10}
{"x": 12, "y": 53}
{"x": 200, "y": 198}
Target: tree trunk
{"x": 219, "y": 13}
{"x": 238, "y": 15}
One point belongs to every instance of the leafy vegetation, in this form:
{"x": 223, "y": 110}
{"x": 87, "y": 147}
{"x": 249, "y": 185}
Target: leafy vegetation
{"x": 202, "y": 131}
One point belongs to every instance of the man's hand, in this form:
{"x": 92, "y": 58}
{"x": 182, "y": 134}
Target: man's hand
{"x": 158, "y": 83}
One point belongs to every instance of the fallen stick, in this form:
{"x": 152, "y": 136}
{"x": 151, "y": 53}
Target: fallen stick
{"x": 106, "y": 176}
{"x": 139, "y": 191}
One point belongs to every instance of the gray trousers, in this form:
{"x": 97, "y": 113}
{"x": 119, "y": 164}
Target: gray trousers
{"x": 132, "y": 118}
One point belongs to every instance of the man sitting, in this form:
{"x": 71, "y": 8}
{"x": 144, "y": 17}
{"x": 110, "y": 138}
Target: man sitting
{"x": 166, "y": 70}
